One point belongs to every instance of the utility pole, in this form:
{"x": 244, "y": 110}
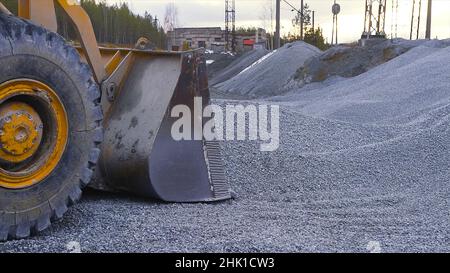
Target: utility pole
{"x": 301, "y": 19}
{"x": 428, "y": 32}
{"x": 313, "y": 16}
{"x": 336, "y": 9}
{"x": 278, "y": 23}
{"x": 418, "y": 19}
{"x": 412, "y": 19}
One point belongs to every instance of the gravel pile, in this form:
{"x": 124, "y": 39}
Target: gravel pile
{"x": 216, "y": 62}
{"x": 269, "y": 75}
{"x": 350, "y": 60}
{"x": 239, "y": 64}
{"x": 363, "y": 166}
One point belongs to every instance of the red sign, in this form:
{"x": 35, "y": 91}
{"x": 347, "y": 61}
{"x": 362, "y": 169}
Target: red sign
{"x": 249, "y": 42}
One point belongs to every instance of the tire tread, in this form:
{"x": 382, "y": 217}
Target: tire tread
{"x": 18, "y": 30}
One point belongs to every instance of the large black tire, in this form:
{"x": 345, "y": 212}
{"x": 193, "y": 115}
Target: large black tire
{"x": 30, "y": 51}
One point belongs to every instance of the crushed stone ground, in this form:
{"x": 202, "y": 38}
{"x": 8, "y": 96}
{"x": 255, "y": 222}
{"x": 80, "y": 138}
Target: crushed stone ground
{"x": 361, "y": 160}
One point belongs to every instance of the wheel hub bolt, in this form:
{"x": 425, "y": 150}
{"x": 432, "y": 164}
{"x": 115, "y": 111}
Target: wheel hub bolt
{"x": 21, "y": 132}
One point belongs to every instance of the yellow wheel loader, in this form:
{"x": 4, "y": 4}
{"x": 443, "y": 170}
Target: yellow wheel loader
{"x": 71, "y": 115}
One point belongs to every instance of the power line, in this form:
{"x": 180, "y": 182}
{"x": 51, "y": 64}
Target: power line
{"x": 301, "y": 15}
{"x": 278, "y": 20}
{"x": 294, "y": 8}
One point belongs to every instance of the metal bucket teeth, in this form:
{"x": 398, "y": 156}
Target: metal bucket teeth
{"x": 214, "y": 161}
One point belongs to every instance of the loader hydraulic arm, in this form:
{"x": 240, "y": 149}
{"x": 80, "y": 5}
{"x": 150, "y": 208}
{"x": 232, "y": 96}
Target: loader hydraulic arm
{"x": 43, "y": 12}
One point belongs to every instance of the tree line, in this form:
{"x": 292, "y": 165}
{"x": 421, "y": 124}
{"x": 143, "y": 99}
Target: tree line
{"x": 113, "y": 24}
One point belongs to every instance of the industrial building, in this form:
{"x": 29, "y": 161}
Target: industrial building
{"x": 207, "y": 37}
{"x": 213, "y": 38}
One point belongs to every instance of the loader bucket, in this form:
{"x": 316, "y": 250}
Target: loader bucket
{"x": 139, "y": 154}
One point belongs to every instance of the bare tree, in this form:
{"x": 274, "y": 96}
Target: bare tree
{"x": 303, "y": 19}
{"x": 266, "y": 16}
{"x": 171, "y": 17}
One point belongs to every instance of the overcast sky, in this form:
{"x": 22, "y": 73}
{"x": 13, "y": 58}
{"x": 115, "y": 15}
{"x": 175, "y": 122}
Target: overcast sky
{"x": 196, "y": 13}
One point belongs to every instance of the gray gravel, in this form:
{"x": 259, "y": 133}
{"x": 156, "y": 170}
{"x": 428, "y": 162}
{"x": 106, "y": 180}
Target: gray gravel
{"x": 239, "y": 64}
{"x": 363, "y": 165}
{"x": 350, "y": 60}
{"x": 219, "y": 62}
{"x": 270, "y": 74}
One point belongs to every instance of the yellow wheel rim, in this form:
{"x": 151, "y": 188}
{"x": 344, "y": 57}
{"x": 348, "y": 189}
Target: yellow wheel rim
{"x": 33, "y": 132}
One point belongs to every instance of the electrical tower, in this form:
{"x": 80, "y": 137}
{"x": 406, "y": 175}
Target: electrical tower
{"x": 413, "y": 17}
{"x": 394, "y": 20}
{"x": 230, "y": 25}
{"x": 374, "y": 22}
